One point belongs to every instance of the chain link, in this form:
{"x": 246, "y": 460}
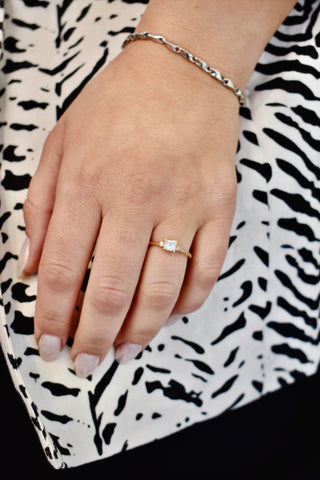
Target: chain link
{"x": 213, "y": 72}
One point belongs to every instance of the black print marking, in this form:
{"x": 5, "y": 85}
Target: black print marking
{"x": 54, "y": 417}
{"x": 225, "y": 387}
{"x": 229, "y": 329}
{"x": 21, "y": 324}
{"x": 121, "y": 403}
{"x": 197, "y": 348}
{"x": 175, "y": 391}
{"x": 60, "y": 390}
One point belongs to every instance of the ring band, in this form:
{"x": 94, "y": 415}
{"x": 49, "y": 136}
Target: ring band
{"x": 171, "y": 246}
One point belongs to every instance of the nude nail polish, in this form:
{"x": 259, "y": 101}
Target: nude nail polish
{"x": 84, "y": 364}
{"x": 23, "y": 257}
{"x": 49, "y": 347}
{"x": 127, "y": 351}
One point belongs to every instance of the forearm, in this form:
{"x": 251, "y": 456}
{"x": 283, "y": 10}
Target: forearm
{"x": 229, "y": 34}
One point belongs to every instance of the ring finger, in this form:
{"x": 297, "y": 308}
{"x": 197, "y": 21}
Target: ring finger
{"x": 159, "y": 287}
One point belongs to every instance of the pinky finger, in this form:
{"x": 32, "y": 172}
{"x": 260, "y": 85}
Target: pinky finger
{"x": 209, "y": 250}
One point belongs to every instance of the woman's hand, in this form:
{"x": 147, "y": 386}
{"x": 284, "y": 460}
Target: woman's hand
{"x": 145, "y": 152}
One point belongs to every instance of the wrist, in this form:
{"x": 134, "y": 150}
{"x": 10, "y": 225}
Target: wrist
{"x": 149, "y": 61}
{"x": 190, "y": 57}
{"x": 228, "y": 38}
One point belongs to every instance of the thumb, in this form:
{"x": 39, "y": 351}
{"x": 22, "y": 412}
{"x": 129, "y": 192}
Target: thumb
{"x": 39, "y": 203}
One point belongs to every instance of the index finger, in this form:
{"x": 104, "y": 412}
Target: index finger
{"x": 64, "y": 261}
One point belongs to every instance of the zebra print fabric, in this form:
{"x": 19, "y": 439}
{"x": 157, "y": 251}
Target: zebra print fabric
{"x": 259, "y": 328}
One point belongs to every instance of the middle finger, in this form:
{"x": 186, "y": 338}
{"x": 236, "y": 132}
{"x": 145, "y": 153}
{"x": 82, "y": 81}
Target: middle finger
{"x": 119, "y": 256}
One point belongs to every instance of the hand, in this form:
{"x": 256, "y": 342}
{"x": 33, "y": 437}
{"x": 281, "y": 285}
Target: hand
{"x": 145, "y": 152}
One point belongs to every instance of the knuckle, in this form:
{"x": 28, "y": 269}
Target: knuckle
{"x": 160, "y": 294}
{"x": 110, "y": 296}
{"x": 206, "y": 276}
{"x": 185, "y": 193}
{"x": 140, "y": 334}
{"x": 192, "y": 304}
{"x": 98, "y": 344}
{"x": 225, "y": 196}
{"x": 139, "y": 193}
{"x": 144, "y": 335}
{"x": 88, "y": 176}
{"x": 52, "y": 323}
{"x": 58, "y": 277}
{"x": 142, "y": 183}
{"x": 30, "y": 206}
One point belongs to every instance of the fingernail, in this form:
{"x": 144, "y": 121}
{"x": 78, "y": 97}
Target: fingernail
{"x": 84, "y": 364}
{"x": 173, "y": 319}
{"x": 23, "y": 257}
{"x": 49, "y": 347}
{"x": 127, "y": 351}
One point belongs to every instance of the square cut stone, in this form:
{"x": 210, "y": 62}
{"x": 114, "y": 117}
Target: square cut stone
{"x": 170, "y": 245}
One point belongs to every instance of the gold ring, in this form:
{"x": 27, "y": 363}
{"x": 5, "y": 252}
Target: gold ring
{"x": 171, "y": 246}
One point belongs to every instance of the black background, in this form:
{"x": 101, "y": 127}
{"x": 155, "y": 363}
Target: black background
{"x": 275, "y": 438}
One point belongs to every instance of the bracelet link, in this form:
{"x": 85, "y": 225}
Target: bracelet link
{"x": 175, "y": 48}
{"x": 213, "y": 72}
{"x": 159, "y": 38}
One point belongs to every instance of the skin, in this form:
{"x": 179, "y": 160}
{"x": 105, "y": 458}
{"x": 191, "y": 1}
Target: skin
{"x": 146, "y": 151}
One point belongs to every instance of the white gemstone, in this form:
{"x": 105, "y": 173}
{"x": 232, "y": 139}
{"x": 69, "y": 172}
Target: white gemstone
{"x": 161, "y": 244}
{"x": 170, "y": 245}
